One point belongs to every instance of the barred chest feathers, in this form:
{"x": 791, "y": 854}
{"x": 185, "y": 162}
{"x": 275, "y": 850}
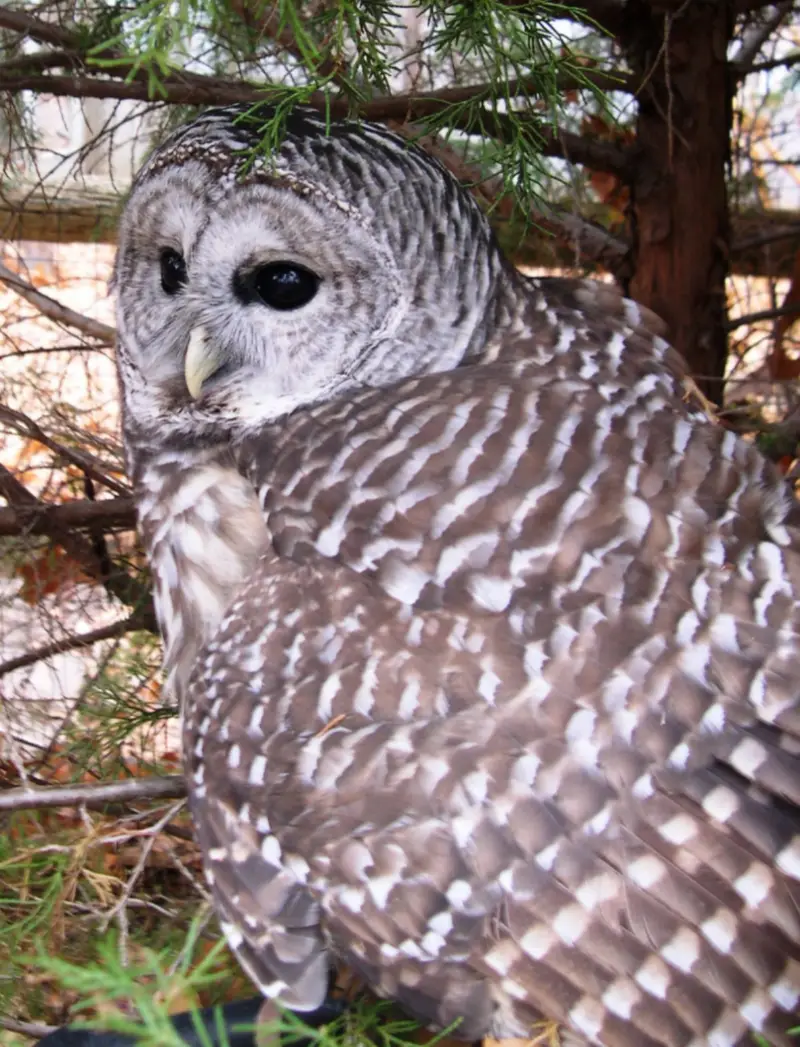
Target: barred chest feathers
{"x": 203, "y": 531}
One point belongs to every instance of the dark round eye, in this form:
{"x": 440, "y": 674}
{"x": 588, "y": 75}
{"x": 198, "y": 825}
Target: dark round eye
{"x": 284, "y": 285}
{"x": 173, "y": 271}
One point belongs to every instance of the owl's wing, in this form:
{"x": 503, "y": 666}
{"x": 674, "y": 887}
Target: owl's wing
{"x": 508, "y": 718}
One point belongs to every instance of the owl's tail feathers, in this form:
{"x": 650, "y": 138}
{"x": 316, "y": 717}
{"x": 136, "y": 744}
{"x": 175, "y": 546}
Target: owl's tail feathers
{"x": 269, "y": 918}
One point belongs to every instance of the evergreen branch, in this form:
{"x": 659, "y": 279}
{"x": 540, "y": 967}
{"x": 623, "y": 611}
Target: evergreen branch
{"x": 54, "y": 310}
{"x": 110, "y": 514}
{"x": 118, "y": 584}
{"x": 598, "y": 155}
{"x": 71, "y": 643}
{"x": 579, "y": 149}
{"x": 75, "y": 50}
{"x": 269, "y": 24}
{"x": 598, "y": 14}
{"x": 418, "y": 105}
{"x": 591, "y": 243}
{"x": 170, "y": 787}
{"x": 212, "y": 91}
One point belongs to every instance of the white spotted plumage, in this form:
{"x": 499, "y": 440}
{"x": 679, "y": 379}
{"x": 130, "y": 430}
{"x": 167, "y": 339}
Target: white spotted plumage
{"x": 487, "y": 639}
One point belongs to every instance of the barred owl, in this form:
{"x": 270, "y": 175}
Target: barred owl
{"x": 486, "y": 636}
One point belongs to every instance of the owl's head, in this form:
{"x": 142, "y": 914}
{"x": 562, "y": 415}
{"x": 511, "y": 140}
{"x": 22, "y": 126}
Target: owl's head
{"x": 249, "y": 286}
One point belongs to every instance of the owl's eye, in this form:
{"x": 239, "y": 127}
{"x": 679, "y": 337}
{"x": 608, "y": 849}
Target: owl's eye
{"x": 173, "y": 271}
{"x": 284, "y": 285}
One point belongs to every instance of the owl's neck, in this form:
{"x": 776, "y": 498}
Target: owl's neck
{"x": 203, "y": 533}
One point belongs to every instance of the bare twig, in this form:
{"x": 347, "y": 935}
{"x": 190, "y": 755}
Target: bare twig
{"x": 33, "y": 1029}
{"x": 54, "y": 310}
{"x": 773, "y": 63}
{"x": 764, "y": 314}
{"x": 112, "y": 514}
{"x": 118, "y": 909}
{"x": 71, "y": 643}
{"x": 90, "y": 465}
{"x": 766, "y": 238}
{"x": 169, "y": 787}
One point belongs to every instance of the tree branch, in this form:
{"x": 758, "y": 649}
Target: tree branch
{"x": 72, "y": 643}
{"x": 210, "y": 91}
{"x": 54, "y": 310}
{"x": 166, "y": 788}
{"x": 36, "y": 29}
{"x": 186, "y": 88}
{"x": 118, "y": 584}
{"x": 596, "y": 154}
{"x": 110, "y": 514}
{"x": 756, "y": 36}
{"x": 590, "y": 242}
{"x": 34, "y": 1030}
{"x": 787, "y": 62}
{"x": 764, "y": 314}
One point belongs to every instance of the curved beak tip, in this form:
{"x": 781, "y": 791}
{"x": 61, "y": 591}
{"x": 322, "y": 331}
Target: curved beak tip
{"x": 201, "y": 361}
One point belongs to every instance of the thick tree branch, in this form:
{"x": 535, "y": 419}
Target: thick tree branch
{"x": 36, "y": 62}
{"x": 54, "y": 310}
{"x": 210, "y": 91}
{"x": 36, "y": 29}
{"x": 167, "y": 788}
{"x": 118, "y": 584}
{"x": 110, "y": 514}
{"x": 71, "y": 643}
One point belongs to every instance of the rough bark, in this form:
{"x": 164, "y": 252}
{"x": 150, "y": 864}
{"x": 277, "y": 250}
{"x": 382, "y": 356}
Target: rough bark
{"x": 678, "y": 216}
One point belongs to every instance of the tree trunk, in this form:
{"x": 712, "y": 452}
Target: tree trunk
{"x": 678, "y": 213}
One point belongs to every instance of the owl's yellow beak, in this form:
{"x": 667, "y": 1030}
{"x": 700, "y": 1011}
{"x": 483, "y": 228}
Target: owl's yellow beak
{"x": 201, "y": 361}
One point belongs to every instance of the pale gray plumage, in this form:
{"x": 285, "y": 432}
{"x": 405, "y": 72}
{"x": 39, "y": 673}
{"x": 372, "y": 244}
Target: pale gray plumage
{"x": 487, "y": 638}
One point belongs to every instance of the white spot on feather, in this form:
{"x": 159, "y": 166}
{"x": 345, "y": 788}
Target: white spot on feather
{"x": 682, "y": 950}
{"x": 621, "y": 997}
{"x": 720, "y": 930}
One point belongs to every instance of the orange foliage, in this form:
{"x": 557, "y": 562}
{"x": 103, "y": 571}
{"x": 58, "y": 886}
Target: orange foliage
{"x": 610, "y": 188}
{"x": 50, "y": 572}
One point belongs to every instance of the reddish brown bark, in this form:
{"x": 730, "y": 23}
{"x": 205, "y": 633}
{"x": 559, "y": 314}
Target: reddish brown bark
{"x": 678, "y": 214}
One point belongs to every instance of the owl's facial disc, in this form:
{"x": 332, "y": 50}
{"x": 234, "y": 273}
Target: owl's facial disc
{"x": 241, "y": 300}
